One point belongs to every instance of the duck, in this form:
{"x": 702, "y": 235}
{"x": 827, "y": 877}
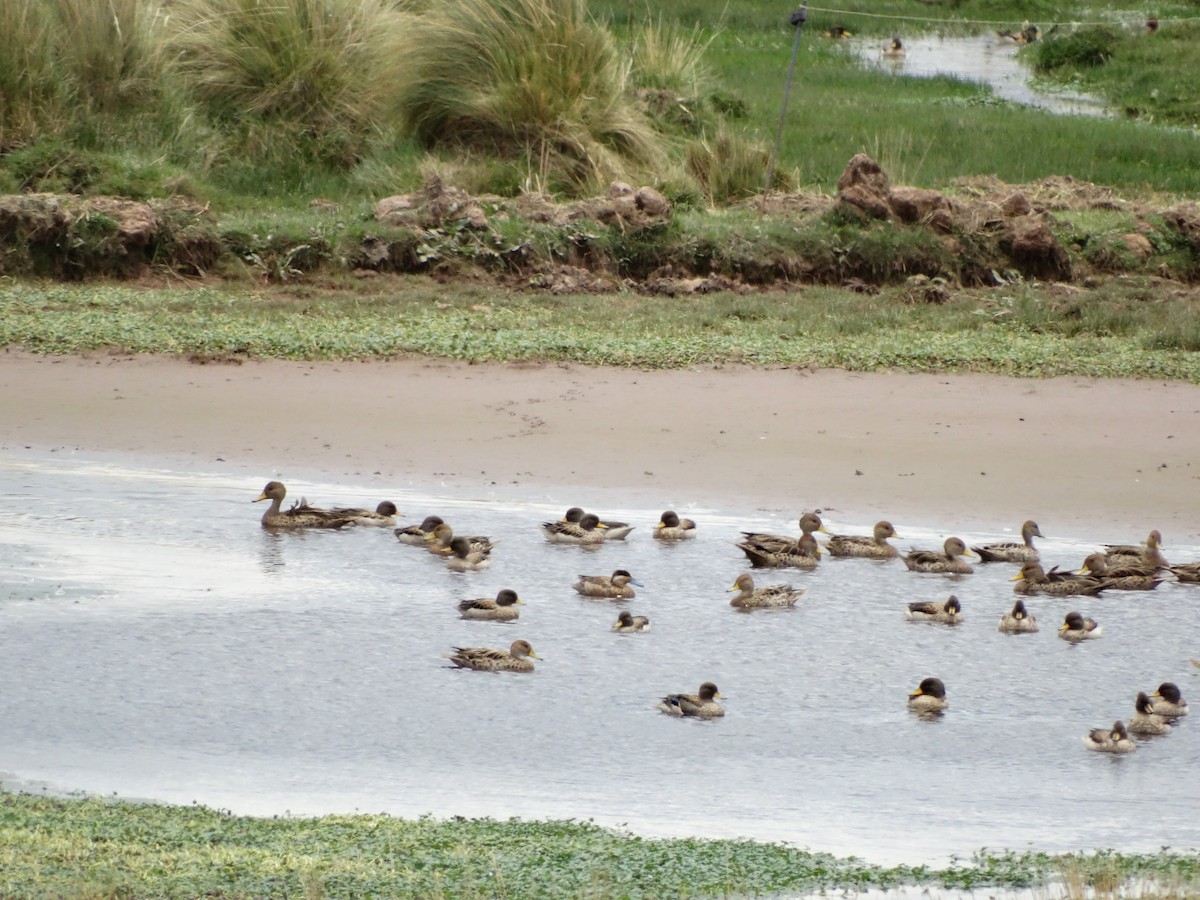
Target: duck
{"x": 613, "y": 531}
{"x": 947, "y": 561}
{"x": 517, "y": 658}
{"x": 774, "y": 596}
{"x": 382, "y": 516}
{"x": 484, "y": 609}
{"x": 586, "y": 530}
{"x": 1033, "y": 579}
{"x": 1145, "y": 720}
{"x": 773, "y": 551}
{"x": 1018, "y": 620}
{"x": 948, "y": 613}
{"x": 617, "y": 586}
{"x": 839, "y": 32}
{"x": 1150, "y": 26}
{"x": 1148, "y": 554}
{"x": 1168, "y": 701}
{"x": 417, "y": 535}
{"x": 672, "y": 528}
{"x": 929, "y": 697}
{"x": 702, "y": 705}
{"x": 300, "y": 515}
{"x": 856, "y": 545}
{"x": 463, "y": 556}
{"x": 1120, "y": 577}
{"x": 1076, "y": 628}
{"x": 1110, "y": 740}
{"x": 1011, "y": 551}
{"x": 628, "y": 623}
{"x": 442, "y": 537}
{"x": 1028, "y": 34}
{"x": 1187, "y": 573}
{"x": 894, "y": 49}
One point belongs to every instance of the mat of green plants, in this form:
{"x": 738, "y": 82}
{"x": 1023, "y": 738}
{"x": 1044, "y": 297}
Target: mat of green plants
{"x": 245, "y": 148}
{"x": 98, "y": 848}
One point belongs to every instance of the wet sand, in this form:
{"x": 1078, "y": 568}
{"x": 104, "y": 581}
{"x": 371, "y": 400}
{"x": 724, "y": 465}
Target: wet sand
{"x": 1092, "y": 458}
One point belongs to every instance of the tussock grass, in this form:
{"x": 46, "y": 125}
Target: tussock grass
{"x": 531, "y": 79}
{"x": 113, "y": 46}
{"x": 33, "y": 92}
{"x": 313, "y": 77}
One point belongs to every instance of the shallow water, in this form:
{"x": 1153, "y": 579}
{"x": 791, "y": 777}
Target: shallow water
{"x": 980, "y": 58}
{"x": 157, "y": 643}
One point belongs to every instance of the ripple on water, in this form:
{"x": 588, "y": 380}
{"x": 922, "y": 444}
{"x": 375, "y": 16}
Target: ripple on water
{"x": 158, "y": 643}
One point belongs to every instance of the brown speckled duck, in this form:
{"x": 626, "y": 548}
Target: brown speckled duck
{"x": 1110, "y": 740}
{"x": 585, "y": 530}
{"x": 461, "y": 556}
{"x": 947, "y": 613}
{"x": 1120, "y": 577}
{"x": 617, "y": 586}
{"x": 517, "y": 658}
{"x": 1018, "y": 620}
{"x": 773, "y": 596}
{"x": 1187, "y": 573}
{"x": 863, "y": 547}
{"x": 300, "y": 515}
{"x": 1075, "y": 628}
{"x": 929, "y": 697}
{"x": 484, "y": 609}
{"x": 1033, "y": 579}
{"x": 1148, "y": 554}
{"x": 440, "y": 539}
{"x": 1168, "y": 701}
{"x": 628, "y": 623}
{"x": 947, "y": 561}
{"x": 671, "y": 527}
{"x": 1144, "y": 720}
{"x": 418, "y": 535}
{"x": 1011, "y": 551}
{"x": 610, "y": 531}
{"x": 702, "y": 705}
{"x": 382, "y": 516}
{"x": 773, "y": 551}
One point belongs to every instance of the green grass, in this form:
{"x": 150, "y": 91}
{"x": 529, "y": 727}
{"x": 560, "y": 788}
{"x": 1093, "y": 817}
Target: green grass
{"x": 1020, "y": 330}
{"x": 96, "y": 848}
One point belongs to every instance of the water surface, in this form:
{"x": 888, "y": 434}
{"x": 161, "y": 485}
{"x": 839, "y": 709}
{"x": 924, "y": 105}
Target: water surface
{"x": 158, "y": 643}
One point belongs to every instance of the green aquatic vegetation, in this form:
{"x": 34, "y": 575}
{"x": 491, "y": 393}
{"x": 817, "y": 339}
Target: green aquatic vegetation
{"x": 98, "y": 847}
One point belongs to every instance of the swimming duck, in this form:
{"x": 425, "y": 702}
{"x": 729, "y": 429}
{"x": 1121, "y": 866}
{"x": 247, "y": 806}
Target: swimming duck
{"x": 1151, "y": 26}
{"x": 839, "y": 32}
{"x": 585, "y": 530}
{"x": 464, "y": 557}
{"x": 1148, "y": 554}
{"x": 1120, "y": 577}
{"x": 300, "y": 515}
{"x": 442, "y": 536}
{"x": 1018, "y": 621}
{"x": 948, "y": 613}
{"x": 612, "y": 531}
{"x": 1145, "y": 721}
{"x": 1187, "y": 573}
{"x": 517, "y": 658}
{"x": 947, "y": 561}
{"x": 874, "y": 547}
{"x": 502, "y": 609}
{"x": 1033, "y": 579}
{"x": 1027, "y": 35}
{"x": 672, "y": 528}
{"x": 1011, "y": 551}
{"x": 417, "y": 535}
{"x": 382, "y": 516}
{"x": 616, "y": 586}
{"x": 1168, "y": 701}
{"x": 772, "y": 551}
{"x": 703, "y": 705}
{"x": 628, "y": 623}
{"x": 1076, "y": 628}
{"x": 1110, "y": 740}
{"x": 929, "y": 697}
{"x": 775, "y": 596}
{"x": 893, "y": 49}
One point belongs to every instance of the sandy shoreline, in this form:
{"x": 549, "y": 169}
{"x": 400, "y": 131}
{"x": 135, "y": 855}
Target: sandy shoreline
{"x": 1085, "y": 457}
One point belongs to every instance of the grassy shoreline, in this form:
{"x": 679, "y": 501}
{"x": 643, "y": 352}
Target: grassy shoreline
{"x": 1027, "y": 330}
{"x": 96, "y": 847}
